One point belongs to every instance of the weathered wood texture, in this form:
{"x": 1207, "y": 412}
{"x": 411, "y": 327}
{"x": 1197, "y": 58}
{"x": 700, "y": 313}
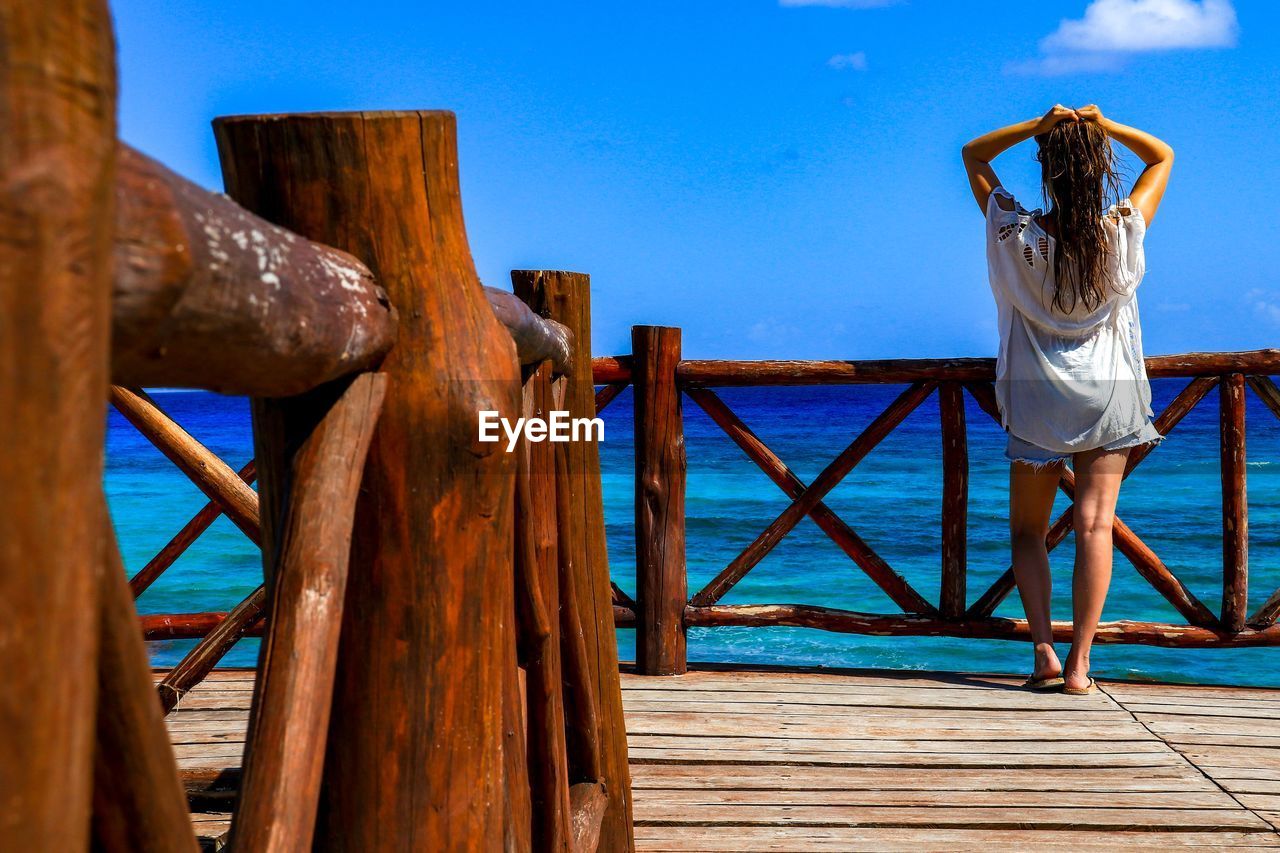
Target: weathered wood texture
{"x": 290, "y": 718}
{"x": 57, "y": 164}
{"x": 721, "y": 373}
{"x": 213, "y": 646}
{"x": 138, "y": 803}
{"x": 186, "y": 626}
{"x": 1235, "y": 504}
{"x": 537, "y": 615}
{"x": 210, "y": 474}
{"x": 588, "y": 802}
{"x": 208, "y": 295}
{"x": 415, "y": 750}
{"x": 582, "y": 709}
{"x": 955, "y": 499}
{"x": 565, "y": 297}
{"x": 733, "y": 759}
{"x": 661, "y": 581}
{"x": 890, "y": 625}
{"x": 536, "y": 338}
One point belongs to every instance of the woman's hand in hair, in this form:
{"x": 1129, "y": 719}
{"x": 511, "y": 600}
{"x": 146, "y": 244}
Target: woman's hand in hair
{"x": 1090, "y": 113}
{"x": 1056, "y": 115}
{"x": 978, "y": 153}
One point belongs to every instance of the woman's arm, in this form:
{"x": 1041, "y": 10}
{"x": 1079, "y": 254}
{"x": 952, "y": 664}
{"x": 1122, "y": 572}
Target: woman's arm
{"x": 1148, "y": 190}
{"x": 979, "y": 152}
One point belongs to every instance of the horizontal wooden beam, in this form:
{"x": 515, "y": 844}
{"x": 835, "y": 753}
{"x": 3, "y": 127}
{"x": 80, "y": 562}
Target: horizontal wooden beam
{"x": 728, "y": 373}
{"x": 187, "y": 626}
{"x": 208, "y": 295}
{"x": 537, "y": 338}
{"x": 902, "y": 625}
{"x": 609, "y": 369}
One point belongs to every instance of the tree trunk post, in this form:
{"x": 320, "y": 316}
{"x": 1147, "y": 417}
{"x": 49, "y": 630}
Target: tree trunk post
{"x": 415, "y": 754}
{"x": 661, "y": 585}
{"x": 566, "y": 298}
{"x": 538, "y": 612}
{"x": 57, "y": 171}
{"x": 955, "y": 499}
{"x": 1235, "y": 505}
{"x": 138, "y": 803}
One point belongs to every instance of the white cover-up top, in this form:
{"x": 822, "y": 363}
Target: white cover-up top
{"x": 1067, "y": 382}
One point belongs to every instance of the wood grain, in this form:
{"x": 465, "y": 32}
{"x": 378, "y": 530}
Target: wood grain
{"x": 57, "y": 165}
{"x": 661, "y": 583}
{"x": 415, "y": 748}
{"x": 284, "y": 758}
{"x": 208, "y": 295}
{"x": 138, "y": 802}
{"x": 955, "y": 500}
{"x": 566, "y": 298}
{"x": 1235, "y": 504}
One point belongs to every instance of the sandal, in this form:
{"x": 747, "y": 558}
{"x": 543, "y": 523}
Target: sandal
{"x": 1051, "y": 683}
{"x": 1091, "y": 687}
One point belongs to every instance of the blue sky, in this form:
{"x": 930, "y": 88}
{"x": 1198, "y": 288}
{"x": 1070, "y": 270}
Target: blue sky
{"x": 779, "y": 179}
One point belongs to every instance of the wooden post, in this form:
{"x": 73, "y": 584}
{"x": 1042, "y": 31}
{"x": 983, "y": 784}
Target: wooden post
{"x": 284, "y": 752}
{"x": 415, "y": 753}
{"x": 661, "y": 585}
{"x": 538, "y": 609}
{"x": 1235, "y": 505}
{"x": 57, "y": 163}
{"x": 955, "y": 499}
{"x": 566, "y": 297}
{"x": 138, "y": 803}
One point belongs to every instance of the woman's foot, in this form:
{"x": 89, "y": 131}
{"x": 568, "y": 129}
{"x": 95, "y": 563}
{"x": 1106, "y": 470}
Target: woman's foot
{"x": 1076, "y": 674}
{"x": 1046, "y": 664}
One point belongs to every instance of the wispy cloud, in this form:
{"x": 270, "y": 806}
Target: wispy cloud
{"x": 1059, "y": 64}
{"x": 842, "y": 4}
{"x": 848, "y": 61}
{"x": 1112, "y": 30}
{"x": 1264, "y": 304}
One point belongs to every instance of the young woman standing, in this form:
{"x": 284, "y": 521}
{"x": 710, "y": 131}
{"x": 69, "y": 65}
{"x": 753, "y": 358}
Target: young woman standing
{"x": 1070, "y": 379}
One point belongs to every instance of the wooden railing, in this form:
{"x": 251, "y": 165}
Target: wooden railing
{"x": 662, "y": 609}
{"x": 399, "y": 592}
{"x": 564, "y": 743}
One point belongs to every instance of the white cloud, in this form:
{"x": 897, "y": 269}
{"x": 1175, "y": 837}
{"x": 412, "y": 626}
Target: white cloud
{"x": 1112, "y": 30}
{"x": 841, "y": 4}
{"x": 848, "y": 61}
{"x": 1056, "y": 65}
{"x": 1132, "y": 26}
{"x": 1264, "y": 304}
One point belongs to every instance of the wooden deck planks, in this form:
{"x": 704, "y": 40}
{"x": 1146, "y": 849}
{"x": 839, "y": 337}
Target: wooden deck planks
{"x": 780, "y": 760}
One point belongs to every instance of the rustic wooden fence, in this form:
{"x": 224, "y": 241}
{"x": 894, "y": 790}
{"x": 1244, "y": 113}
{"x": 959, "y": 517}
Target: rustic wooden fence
{"x": 662, "y": 609}
{"x": 410, "y": 572}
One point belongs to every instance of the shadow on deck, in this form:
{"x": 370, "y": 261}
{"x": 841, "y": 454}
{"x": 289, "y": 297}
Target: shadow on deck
{"x": 772, "y": 759}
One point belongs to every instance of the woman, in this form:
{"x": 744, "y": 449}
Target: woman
{"x": 1070, "y": 379}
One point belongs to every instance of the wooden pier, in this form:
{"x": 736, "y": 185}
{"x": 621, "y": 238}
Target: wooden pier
{"x": 439, "y": 662}
{"x": 769, "y": 759}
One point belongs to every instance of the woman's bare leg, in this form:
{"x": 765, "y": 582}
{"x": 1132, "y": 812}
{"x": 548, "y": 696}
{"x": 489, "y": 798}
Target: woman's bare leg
{"x": 1098, "y": 476}
{"x": 1031, "y": 494}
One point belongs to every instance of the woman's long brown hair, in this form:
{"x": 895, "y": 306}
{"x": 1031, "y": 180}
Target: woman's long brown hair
{"x": 1080, "y": 178}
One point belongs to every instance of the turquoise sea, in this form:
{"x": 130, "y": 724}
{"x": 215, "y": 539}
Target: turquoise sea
{"x": 892, "y": 499}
